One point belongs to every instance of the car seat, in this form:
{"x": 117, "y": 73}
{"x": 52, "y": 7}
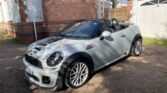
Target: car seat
{"x": 115, "y": 24}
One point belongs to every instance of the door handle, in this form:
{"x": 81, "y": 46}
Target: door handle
{"x": 90, "y": 46}
{"x": 123, "y": 36}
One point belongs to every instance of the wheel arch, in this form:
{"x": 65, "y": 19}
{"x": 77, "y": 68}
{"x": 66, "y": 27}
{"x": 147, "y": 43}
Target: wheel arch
{"x": 68, "y": 62}
{"x": 137, "y": 36}
{"x": 82, "y": 55}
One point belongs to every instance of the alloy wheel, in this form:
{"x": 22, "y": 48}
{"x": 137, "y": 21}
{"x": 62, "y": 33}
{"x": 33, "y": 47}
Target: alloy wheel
{"x": 79, "y": 74}
{"x": 138, "y": 47}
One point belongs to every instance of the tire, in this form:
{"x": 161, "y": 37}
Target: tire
{"x": 136, "y": 49}
{"x": 77, "y": 74}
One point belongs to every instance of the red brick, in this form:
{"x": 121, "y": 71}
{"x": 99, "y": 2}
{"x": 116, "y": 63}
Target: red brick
{"x": 57, "y": 15}
{"x": 66, "y": 10}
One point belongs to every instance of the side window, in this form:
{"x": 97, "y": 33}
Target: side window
{"x": 120, "y": 27}
{"x": 99, "y": 30}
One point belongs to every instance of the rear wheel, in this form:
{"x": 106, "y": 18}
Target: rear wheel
{"x": 77, "y": 74}
{"x": 137, "y": 47}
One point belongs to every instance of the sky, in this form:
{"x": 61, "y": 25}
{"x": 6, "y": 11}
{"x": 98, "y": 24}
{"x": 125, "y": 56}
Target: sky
{"x": 124, "y": 1}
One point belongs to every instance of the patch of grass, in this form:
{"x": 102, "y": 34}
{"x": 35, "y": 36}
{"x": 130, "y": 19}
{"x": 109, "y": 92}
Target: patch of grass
{"x": 155, "y": 41}
{"x": 5, "y": 36}
{"x": 1, "y": 34}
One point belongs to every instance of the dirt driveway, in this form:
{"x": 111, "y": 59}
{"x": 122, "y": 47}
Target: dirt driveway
{"x": 144, "y": 74}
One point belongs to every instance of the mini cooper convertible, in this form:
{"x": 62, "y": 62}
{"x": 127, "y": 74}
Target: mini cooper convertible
{"x": 70, "y": 57}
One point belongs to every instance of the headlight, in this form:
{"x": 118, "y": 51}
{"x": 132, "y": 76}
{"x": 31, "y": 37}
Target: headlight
{"x": 31, "y": 46}
{"x": 55, "y": 59}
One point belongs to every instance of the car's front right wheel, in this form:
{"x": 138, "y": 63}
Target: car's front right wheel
{"x": 136, "y": 49}
{"x": 77, "y": 74}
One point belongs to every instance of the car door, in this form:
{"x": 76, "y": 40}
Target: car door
{"x": 126, "y": 39}
{"x": 105, "y": 51}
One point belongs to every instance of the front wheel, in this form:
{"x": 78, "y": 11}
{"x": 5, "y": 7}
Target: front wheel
{"x": 137, "y": 47}
{"x": 77, "y": 74}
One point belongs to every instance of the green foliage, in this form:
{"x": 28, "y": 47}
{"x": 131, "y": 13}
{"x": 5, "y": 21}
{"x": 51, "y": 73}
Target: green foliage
{"x": 4, "y": 36}
{"x": 155, "y": 42}
{"x": 114, "y": 3}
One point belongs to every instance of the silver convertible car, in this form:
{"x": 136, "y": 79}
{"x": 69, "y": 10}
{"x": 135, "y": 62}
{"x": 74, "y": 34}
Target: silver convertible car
{"x": 69, "y": 58}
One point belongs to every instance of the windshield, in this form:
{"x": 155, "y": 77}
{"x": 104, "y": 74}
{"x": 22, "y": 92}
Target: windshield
{"x": 86, "y": 29}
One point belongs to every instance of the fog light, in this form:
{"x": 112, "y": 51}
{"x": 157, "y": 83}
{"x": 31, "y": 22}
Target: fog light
{"x": 46, "y": 80}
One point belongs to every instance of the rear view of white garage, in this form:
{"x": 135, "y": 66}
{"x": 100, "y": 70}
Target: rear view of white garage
{"x": 151, "y": 17}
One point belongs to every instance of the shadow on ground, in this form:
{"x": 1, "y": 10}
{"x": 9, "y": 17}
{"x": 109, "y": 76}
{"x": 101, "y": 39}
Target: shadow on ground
{"x": 144, "y": 74}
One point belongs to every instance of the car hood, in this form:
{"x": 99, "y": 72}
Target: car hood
{"x": 51, "y": 44}
{"x": 58, "y": 42}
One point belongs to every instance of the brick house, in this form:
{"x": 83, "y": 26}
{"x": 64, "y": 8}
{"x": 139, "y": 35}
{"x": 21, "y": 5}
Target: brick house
{"x": 20, "y": 18}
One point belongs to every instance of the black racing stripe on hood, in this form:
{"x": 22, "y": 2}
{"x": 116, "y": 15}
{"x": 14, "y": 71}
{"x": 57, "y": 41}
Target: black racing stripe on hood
{"x": 50, "y": 40}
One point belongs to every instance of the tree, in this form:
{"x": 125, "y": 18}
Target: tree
{"x": 114, "y": 3}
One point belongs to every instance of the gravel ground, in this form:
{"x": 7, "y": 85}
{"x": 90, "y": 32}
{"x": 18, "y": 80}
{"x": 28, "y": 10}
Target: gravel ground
{"x": 144, "y": 74}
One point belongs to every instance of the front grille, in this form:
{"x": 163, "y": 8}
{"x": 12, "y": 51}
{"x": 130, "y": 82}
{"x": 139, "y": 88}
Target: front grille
{"x": 33, "y": 61}
{"x": 34, "y": 77}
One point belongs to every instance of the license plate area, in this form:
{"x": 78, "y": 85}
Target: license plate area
{"x": 28, "y": 70}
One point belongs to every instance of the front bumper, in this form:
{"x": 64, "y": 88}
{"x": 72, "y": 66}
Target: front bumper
{"x": 43, "y": 78}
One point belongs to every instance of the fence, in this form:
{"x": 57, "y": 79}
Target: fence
{"x": 118, "y": 13}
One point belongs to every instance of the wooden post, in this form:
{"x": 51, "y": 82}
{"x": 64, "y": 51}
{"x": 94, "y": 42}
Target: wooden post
{"x": 102, "y": 9}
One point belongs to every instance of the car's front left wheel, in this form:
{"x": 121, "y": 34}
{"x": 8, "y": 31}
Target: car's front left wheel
{"x": 137, "y": 47}
{"x": 77, "y": 74}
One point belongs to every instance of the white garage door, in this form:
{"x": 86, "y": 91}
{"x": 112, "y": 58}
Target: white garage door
{"x": 151, "y": 17}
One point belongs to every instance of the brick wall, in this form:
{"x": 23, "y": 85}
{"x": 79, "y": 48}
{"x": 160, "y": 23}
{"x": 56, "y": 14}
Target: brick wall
{"x": 25, "y": 31}
{"x": 8, "y": 28}
{"x": 59, "y": 13}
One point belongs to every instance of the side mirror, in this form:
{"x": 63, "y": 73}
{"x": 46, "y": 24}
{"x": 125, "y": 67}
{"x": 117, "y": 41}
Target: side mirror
{"x": 105, "y": 34}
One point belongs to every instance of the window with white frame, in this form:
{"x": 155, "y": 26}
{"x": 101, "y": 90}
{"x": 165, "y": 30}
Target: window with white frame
{"x": 154, "y": 2}
{"x": 9, "y": 11}
{"x": 34, "y": 10}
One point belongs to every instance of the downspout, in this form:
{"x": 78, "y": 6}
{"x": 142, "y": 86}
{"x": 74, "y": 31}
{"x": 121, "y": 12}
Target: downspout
{"x": 158, "y": 3}
{"x": 45, "y": 19}
{"x": 136, "y": 11}
{"x": 35, "y": 30}
{"x": 99, "y": 9}
{"x": 34, "y": 23}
